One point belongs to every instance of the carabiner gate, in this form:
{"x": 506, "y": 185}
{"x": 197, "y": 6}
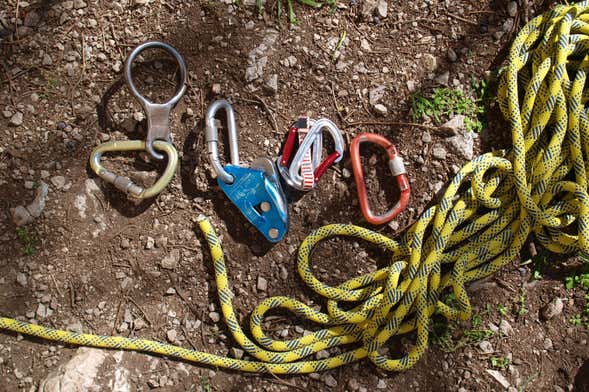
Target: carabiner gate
{"x": 306, "y": 167}
{"x": 396, "y": 167}
{"x": 255, "y": 190}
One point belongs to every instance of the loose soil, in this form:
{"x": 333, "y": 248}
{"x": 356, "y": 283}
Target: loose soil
{"x": 90, "y": 265}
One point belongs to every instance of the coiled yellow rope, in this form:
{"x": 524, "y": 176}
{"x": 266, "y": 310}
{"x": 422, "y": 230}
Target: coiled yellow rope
{"x": 539, "y": 186}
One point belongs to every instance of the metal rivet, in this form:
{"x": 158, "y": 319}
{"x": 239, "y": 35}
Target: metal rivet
{"x": 273, "y": 233}
{"x": 265, "y": 206}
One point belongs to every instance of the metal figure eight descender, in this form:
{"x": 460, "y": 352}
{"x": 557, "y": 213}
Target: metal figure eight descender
{"x": 158, "y": 131}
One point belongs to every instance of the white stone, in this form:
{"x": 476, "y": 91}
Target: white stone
{"x": 78, "y": 374}
{"x": 17, "y": 119}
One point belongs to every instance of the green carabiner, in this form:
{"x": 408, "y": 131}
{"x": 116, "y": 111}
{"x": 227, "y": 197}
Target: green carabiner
{"x": 125, "y": 184}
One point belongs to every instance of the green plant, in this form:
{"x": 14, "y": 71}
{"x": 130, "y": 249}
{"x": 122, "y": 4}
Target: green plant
{"x": 522, "y": 302}
{"x": 502, "y": 309}
{"x": 205, "y": 384}
{"x": 499, "y": 362}
{"x": 580, "y": 279}
{"x": 445, "y": 102}
{"x": 477, "y": 321}
{"x": 291, "y": 14}
{"x": 27, "y": 240}
{"x": 49, "y": 89}
{"x": 447, "y": 334}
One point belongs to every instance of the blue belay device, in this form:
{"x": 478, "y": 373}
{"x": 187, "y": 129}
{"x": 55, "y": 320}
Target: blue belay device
{"x": 259, "y": 198}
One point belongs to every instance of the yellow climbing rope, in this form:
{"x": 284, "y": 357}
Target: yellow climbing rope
{"x": 538, "y": 186}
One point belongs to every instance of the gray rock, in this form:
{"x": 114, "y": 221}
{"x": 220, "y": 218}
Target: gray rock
{"x": 79, "y": 4}
{"x": 330, "y": 381}
{"x": 512, "y": 8}
{"x": 437, "y": 186}
{"x": 283, "y": 273}
{"x": 22, "y": 215}
{"x": 353, "y": 384}
{"x": 439, "y": 152}
{"x": 216, "y": 88}
{"x": 382, "y": 9}
{"x": 75, "y": 326}
{"x": 499, "y": 378}
{"x": 463, "y": 141}
{"x": 497, "y": 35}
{"x": 271, "y": 85}
{"x": 505, "y": 328}
{"x": 380, "y": 109}
{"x": 452, "y": 56}
{"x": 78, "y": 374}
{"x": 368, "y": 7}
{"x": 411, "y": 86}
{"x": 454, "y": 125}
{"x": 258, "y": 57}
{"x": 21, "y": 279}
{"x": 508, "y": 25}
{"x": 365, "y": 45}
{"x": 430, "y": 62}
{"x": 47, "y": 60}
{"x": 381, "y": 384}
{"x": 426, "y": 137}
{"x": 463, "y": 145}
{"x": 171, "y": 260}
{"x": 553, "y": 309}
{"x": 16, "y": 120}
{"x": 215, "y": 317}
{"x": 43, "y": 311}
{"x": 58, "y": 181}
{"x": 486, "y": 347}
{"x": 443, "y": 78}
{"x": 149, "y": 244}
{"x": 323, "y": 354}
{"x": 172, "y": 335}
{"x": 32, "y": 18}
{"x": 262, "y": 284}
{"x": 376, "y": 94}
{"x": 548, "y": 344}
{"x": 236, "y": 352}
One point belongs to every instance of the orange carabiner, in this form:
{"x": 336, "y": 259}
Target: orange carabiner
{"x": 397, "y": 169}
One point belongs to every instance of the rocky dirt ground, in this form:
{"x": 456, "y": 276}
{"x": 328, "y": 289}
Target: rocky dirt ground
{"x": 92, "y": 261}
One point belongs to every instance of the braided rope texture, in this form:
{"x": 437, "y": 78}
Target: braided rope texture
{"x": 539, "y": 186}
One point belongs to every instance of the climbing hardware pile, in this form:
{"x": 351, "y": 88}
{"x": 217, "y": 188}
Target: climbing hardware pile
{"x": 539, "y": 186}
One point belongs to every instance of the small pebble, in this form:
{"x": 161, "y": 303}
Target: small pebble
{"x": 125, "y": 244}
{"x": 262, "y": 284}
{"x": 553, "y": 309}
{"x": 215, "y": 317}
{"x": 512, "y": 8}
{"x": 452, "y": 56}
{"x": 172, "y": 335}
{"x": 330, "y": 381}
{"x": 17, "y": 119}
{"x": 380, "y": 109}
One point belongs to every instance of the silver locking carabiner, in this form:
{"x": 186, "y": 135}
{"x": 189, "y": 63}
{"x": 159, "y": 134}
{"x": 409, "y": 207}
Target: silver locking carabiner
{"x": 158, "y": 114}
{"x": 212, "y": 138}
